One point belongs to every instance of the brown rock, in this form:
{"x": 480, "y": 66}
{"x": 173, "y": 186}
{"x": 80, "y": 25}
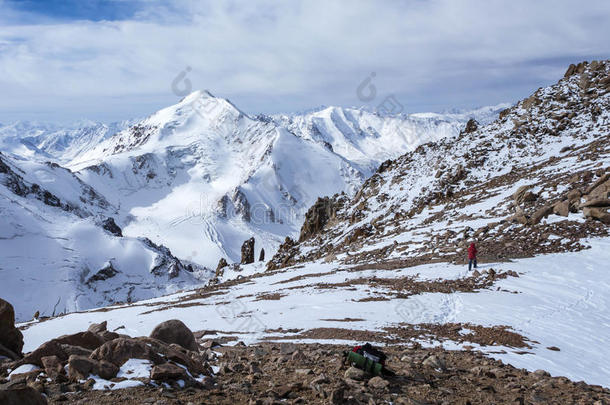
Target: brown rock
{"x": 22, "y": 396}
{"x": 79, "y": 351}
{"x": 354, "y": 374}
{"x": 52, "y": 366}
{"x": 247, "y": 252}
{"x": 174, "y": 331}
{"x": 378, "y": 383}
{"x": 79, "y": 367}
{"x": 520, "y": 193}
{"x": 167, "y": 371}
{"x": 88, "y": 340}
{"x": 597, "y": 213}
{"x": 541, "y": 213}
{"x": 118, "y": 351}
{"x": 50, "y": 348}
{"x": 106, "y": 370}
{"x": 98, "y": 327}
{"x": 10, "y": 337}
{"x": 562, "y": 208}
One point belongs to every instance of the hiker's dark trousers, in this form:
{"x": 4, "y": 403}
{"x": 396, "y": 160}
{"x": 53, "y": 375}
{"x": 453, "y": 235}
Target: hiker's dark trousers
{"x": 471, "y": 262}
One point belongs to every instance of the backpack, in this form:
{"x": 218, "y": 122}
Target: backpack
{"x": 369, "y": 359}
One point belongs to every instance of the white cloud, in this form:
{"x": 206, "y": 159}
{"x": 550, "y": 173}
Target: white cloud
{"x": 279, "y": 56}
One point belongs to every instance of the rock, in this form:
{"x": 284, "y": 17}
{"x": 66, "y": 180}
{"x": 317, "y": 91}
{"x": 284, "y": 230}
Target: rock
{"x": 10, "y": 337}
{"x": 222, "y": 263}
{"x": 378, "y": 383}
{"x": 600, "y": 214}
{"x": 597, "y": 203}
{"x": 247, "y": 252}
{"x": 298, "y": 356}
{"x": 287, "y": 348}
{"x": 80, "y": 351}
{"x": 8, "y": 353}
{"x": 167, "y": 371}
{"x": 434, "y": 362}
{"x": 52, "y": 366}
{"x": 574, "y": 195}
{"x": 50, "y": 348}
{"x": 98, "y": 327}
{"x": 541, "y": 213}
{"x": 354, "y": 373}
{"x": 21, "y": 396}
{"x": 541, "y": 373}
{"x": 107, "y": 335}
{"x": 303, "y": 371}
{"x": 87, "y": 340}
{"x": 106, "y": 370}
{"x": 562, "y": 208}
{"x": 174, "y": 331}
{"x": 471, "y": 126}
{"x": 261, "y": 257}
{"x": 520, "y": 193}
{"x": 208, "y": 344}
{"x": 118, "y": 351}
{"x": 317, "y": 216}
{"x": 79, "y": 367}
{"x": 112, "y": 227}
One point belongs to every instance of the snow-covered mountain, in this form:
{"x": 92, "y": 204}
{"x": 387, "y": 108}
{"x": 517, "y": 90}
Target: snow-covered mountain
{"x": 58, "y": 143}
{"x": 198, "y": 177}
{"x": 202, "y": 176}
{"x": 62, "y": 252}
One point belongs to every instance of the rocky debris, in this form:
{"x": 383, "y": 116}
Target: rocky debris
{"x": 285, "y": 255}
{"x": 261, "y": 256}
{"x": 317, "y": 217}
{"x": 109, "y": 225}
{"x": 165, "y": 263}
{"x": 175, "y": 331}
{"x": 11, "y": 338}
{"x": 247, "y": 251}
{"x": 68, "y": 367}
{"x": 260, "y": 374}
{"x": 21, "y": 396}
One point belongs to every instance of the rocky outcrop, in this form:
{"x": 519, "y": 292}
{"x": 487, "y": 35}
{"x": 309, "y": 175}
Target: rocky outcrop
{"x": 222, "y": 263}
{"x": 285, "y": 254}
{"x": 175, "y": 331}
{"x": 109, "y": 225}
{"x": 247, "y": 252}
{"x": 11, "y": 339}
{"x": 242, "y": 206}
{"x": 261, "y": 256}
{"x": 471, "y": 126}
{"x": 317, "y": 217}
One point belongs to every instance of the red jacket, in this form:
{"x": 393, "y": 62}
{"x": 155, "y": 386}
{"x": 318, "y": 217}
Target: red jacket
{"x": 472, "y": 252}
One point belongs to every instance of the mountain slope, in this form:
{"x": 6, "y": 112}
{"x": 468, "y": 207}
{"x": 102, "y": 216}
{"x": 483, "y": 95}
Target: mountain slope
{"x": 534, "y": 181}
{"x": 60, "y": 252}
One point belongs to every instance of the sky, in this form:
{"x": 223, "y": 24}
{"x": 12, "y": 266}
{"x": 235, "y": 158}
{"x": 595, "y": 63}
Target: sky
{"x": 67, "y": 60}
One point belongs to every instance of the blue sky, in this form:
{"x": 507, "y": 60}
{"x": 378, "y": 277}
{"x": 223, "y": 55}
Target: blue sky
{"x": 116, "y": 59}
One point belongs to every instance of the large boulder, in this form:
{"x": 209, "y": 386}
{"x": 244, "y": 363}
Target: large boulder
{"x": 118, "y": 351}
{"x": 167, "y": 371}
{"x": 87, "y": 340}
{"x": 80, "y": 367}
{"x": 21, "y": 396}
{"x": 247, "y": 252}
{"x": 11, "y": 338}
{"x": 174, "y": 331}
{"x": 50, "y": 348}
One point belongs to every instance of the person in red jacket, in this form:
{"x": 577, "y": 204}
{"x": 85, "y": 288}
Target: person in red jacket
{"x": 472, "y": 256}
